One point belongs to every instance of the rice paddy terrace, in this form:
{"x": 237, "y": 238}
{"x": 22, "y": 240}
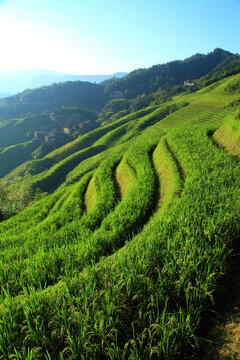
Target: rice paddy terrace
{"x": 124, "y": 258}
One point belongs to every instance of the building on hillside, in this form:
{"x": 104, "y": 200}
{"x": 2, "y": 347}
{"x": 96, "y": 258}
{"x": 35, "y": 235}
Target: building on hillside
{"x": 188, "y": 83}
{"x": 39, "y": 135}
{"x": 66, "y": 130}
{"x": 50, "y": 138}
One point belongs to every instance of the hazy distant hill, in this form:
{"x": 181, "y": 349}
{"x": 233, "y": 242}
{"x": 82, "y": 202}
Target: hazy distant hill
{"x": 14, "y": 81}
{"x": 3, "y": 95}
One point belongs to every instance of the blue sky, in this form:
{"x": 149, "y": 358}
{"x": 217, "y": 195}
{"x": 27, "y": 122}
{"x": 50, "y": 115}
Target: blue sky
{"x": 106, "y": 36}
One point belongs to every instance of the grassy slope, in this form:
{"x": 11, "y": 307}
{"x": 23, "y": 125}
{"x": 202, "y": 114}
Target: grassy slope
{"x": 53, "y": 170}
{"x": 15, "y": 135}
{"x": 14, "y": 155}
{"x": 15, "y": 131}
{"x": 228, "y": 136}
{"x": 132, "y": 281}
{"x": 82, "y": 142}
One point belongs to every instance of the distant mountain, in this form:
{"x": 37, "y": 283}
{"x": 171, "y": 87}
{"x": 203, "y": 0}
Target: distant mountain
{"x": 161, "y": 77}
{"x": 14, "y": 81}
{"x": 3, "y": 95}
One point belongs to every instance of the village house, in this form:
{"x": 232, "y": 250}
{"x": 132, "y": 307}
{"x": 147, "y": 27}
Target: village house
{"x": 188, "y": 83}
{"x": 39, "y": 135}
{"x": 50, "y": 138}
{"x": 66, "y": 130}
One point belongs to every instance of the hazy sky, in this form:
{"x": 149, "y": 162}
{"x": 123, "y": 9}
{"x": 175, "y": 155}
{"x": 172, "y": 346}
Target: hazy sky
{"x": 106, "y": 36}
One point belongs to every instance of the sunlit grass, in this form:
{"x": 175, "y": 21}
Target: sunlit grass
{"x": 125, "y": 261}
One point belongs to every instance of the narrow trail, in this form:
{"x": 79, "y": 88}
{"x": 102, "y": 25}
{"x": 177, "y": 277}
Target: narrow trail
{"x": 117, "y": 183}
{"x": 133, "y": 168}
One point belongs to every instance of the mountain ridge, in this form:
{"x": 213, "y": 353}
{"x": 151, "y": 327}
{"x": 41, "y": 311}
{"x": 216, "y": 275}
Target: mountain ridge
{"x": 15, "y": 81}
{"x": 171, "y": 74}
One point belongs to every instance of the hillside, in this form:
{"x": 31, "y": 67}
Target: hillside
{"x": 36, "y": 122}
{"x": 173, "y": 73}
{"x": 70, "y": 93}
{"x": 124, "y": 259}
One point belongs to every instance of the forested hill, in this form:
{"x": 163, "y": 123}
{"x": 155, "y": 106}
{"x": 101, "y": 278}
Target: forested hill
{"x": 143, "y": 81}
{"x": 70, "y": 93}
{"x": 173, "y": 73}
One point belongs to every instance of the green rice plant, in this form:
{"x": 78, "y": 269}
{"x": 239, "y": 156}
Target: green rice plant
{"x": 133, "y": 128}
{"x": 14, "y": 155}
{"x": 131, "y": 213}
{"x": 120, "y": 296}
{"x": 167, "y": 167}
{"x": 29, "y": 255}
{"x": 90, "y": 138}
{"x": 49, "y": 180}
{"x": 228, "y": 135}
{"x": 125, "y": 177}
{"x": 40, "y": 262}
{"x": 91, "y": 194}
{"x": 30, "y": 216}
{"x": 74, "y": 151}
{"x": 92, "y": 163}
{"x": 119, "y": 135}
{"x": 106, "y": 193}
{"x": 147, "y": 298}
{"x": 58, "y": 216}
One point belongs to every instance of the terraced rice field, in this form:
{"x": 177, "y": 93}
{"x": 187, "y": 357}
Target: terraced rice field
{"x": 124, "y": 259}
